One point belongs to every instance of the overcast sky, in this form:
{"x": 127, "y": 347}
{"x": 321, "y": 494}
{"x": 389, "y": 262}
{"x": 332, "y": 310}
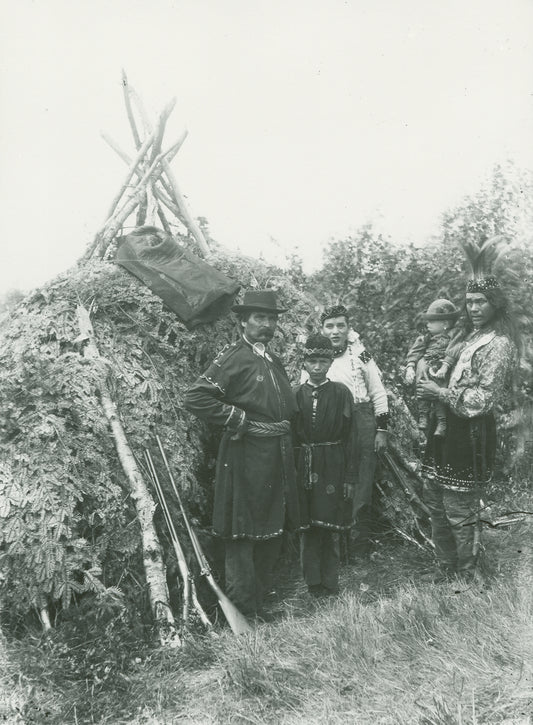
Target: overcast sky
{"x": 306, "y": 118}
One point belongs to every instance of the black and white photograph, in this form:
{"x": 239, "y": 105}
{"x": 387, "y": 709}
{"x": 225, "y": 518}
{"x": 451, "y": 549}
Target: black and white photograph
{"x": 266, "y": 362}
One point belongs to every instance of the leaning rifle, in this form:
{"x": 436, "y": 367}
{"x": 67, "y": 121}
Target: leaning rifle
{"x": 189, "y": 589}
{"x": 236, "y": 620}
{"x": 402, "y": 480}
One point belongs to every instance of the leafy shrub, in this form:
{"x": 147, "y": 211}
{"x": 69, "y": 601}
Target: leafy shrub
{"x": 65, "y": 508}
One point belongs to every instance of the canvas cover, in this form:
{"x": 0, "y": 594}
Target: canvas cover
{"x": 189, "y": 286}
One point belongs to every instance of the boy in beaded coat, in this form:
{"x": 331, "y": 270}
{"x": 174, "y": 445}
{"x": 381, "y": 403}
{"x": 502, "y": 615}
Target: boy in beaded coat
{"x": 323, "y": 432}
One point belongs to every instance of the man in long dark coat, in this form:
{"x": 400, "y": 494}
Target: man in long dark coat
{"x": 246, "y": 390}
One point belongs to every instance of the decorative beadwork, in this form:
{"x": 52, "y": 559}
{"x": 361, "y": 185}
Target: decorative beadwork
{"x": 209, "y": 380}
{"x": 337, "y": 311}
{"x": 482, "y": 283}
{"x": 446, "y": 479}
{"x": 318, "y": 352}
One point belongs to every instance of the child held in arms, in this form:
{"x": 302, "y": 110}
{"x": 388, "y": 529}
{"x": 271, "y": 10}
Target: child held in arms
{"x": 432, "y": 356}
{"x": 324, "y": 440}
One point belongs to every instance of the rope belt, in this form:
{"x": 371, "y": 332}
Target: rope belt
{"x": 308, "y": 460}
{"x": 256, "y": 428}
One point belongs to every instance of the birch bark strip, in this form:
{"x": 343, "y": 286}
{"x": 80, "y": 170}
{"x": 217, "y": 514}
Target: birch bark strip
{"x": 152, "y": 556}
{"x": 44, "y": 616}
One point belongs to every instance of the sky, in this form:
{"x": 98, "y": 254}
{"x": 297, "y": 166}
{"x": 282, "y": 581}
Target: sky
{"x": 306, "y": 118}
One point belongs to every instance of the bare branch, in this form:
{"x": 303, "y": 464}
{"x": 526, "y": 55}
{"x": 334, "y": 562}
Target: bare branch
{"x": 127, "y": 100}
{"x": 191, "y": 224}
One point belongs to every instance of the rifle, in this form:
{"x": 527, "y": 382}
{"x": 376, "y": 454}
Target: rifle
{"x": 407, "y": 488}
{"x": 189, "y": 588}
{"x": 236, "y": 620}
{"x": 404, "y": 482}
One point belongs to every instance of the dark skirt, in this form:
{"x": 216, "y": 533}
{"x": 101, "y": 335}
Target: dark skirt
{"x": 464, "y": 459}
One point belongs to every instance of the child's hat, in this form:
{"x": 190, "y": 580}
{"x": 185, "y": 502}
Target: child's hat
{"x": 441, "y": 309}
{"x": 318, "y": 345}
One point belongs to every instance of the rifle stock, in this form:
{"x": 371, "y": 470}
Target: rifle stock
{"x": 236, "y": 620}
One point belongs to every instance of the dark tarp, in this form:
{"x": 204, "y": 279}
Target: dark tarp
{"x": 194, "y": 290}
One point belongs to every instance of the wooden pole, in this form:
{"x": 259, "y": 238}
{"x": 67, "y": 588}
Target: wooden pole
{"x": 127, "y": 100}
{"x": 151, "y": 207}
{"x": 147, "y": 207}
{"x": 170, "y": 205}
{"x": 135, "y": 97}
{"x": 131, "y": 171}
{"x": 170, "y": 154}
{"x": 160, "y": 129}
{"x": 191, "y": 224}
{"x": 111, "y": 227}
{"x": 163, "y": 219}
{"x": 144, "y": 505}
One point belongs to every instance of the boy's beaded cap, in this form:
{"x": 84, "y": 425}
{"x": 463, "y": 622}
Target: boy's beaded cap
{"x": 318, "y": 346}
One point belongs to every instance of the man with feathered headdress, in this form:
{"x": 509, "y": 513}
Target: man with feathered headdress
{"x": 458, "y": 466}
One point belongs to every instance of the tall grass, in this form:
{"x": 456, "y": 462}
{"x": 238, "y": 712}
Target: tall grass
{"x": 432, "y": 655}
{"x": 403, "y": 653}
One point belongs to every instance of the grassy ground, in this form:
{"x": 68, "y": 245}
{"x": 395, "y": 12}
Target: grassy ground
{"x": 388, "y": 650}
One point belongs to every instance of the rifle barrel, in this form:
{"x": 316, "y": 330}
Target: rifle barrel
{"x": 236, "y": 620}
{"x": 182, "y": 562}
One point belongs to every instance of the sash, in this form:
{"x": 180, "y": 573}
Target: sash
{"x": 268, "y": 430}
{"x": 308, "y": 460}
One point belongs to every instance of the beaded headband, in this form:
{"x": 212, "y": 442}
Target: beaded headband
{"x": 318, "y": 346}
{"x": 336, "y": 311}
{"x": 319, "y": 352}
{"x": 482, "y": 284}
{"x": 482, "y": 258}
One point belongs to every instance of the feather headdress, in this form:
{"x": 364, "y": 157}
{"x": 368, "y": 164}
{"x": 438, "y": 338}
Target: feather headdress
{"x": 482, "y": 260}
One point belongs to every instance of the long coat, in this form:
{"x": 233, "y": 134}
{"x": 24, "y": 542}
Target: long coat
{"x": 255, "y": 488}
{"x": 325, "y": 453}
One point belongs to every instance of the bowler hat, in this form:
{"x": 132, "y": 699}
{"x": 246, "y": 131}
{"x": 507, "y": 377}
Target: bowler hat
{"x": 441, "y": 309}
{"x": 261, "y": 300}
